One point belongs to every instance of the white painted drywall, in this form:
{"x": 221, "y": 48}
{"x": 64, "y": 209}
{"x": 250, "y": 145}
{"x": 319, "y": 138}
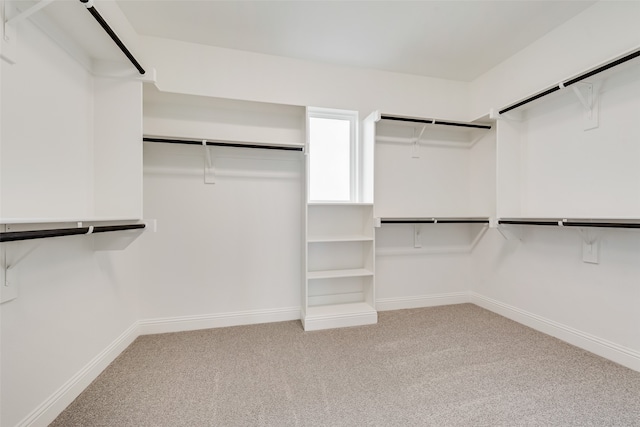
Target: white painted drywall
{"x": 544, "y": 274}
{"x": 47, "y": 132}
{"x": 203, "y": 70}
{"x": 223, "y": 248}
{"x": 73, "y": 304}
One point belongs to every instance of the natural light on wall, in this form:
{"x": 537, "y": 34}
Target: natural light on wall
{"x": 332, "y": 155}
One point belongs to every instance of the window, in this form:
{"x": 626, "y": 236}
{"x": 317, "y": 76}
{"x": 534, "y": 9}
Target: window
{"x": 332, "y": 155}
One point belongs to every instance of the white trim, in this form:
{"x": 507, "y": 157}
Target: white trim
{"x": 218, "y": 320}
{"x": 48, "y": 410}
{"x": 386, "y": 304}
{"x": 607, "y": 349}
{"x": 342, "y": 320}
{"x": 351, "y": 116}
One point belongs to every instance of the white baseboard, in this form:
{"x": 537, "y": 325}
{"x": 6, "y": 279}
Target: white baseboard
{"x": 208, "y": 321}
{"x": 386, "y": 304}
{"x": 344, "y": 320}
{"x": 607, "y": 349}
{"x": 46, "y": 412}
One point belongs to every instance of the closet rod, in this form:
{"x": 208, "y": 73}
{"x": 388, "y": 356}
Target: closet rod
{"x": 220, "y": 144}
{"x": 574, "y": 223}
{"x": 89, "y": 5}
{"x": 435, "y": 122}
{"x": 434, "y": 221}
{"x": 13, "y": 236}
{"x": 569, "y": 82}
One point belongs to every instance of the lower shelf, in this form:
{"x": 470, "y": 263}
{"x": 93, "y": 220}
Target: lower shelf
{"x": 339, "y": 316}
{"x": 331, "y": 274}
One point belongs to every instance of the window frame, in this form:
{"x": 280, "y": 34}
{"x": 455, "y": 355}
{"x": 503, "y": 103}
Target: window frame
{"x": 350, "y": 116}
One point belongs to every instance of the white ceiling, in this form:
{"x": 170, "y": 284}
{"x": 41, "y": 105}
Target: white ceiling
{"x": 457, "y": 40}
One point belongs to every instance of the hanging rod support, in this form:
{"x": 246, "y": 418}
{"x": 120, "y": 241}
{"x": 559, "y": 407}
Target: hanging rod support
{"x": 587, "y": 99}
{"x": 16, "y": 261}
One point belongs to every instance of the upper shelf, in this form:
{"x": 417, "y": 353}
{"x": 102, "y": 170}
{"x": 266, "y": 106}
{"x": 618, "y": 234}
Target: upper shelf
{"x": 181, "y": 117}
{"x": 412, "y": 130}
{"x": 413, "y": 121}
{"x": 431, "y": 220}
{"x": 8, "y": 221}
{"x": 564, "y": 222}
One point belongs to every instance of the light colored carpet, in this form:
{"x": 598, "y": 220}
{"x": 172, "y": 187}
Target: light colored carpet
{"x": 443, "y": 366}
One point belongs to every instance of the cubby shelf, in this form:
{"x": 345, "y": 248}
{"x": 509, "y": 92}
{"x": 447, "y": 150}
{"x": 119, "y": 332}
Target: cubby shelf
{"x": 332, "y": 274}
{"x": 339, "y": 282}
{"x": 327, "y": 239}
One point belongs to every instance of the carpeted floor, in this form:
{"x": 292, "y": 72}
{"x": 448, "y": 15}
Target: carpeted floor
{"x": 443, "y": 366}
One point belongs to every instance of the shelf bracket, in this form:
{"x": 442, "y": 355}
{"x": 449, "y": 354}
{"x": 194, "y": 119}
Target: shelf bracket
{"x": 209, "y": 171}
{"x": 416, "y": 237}
{"x": 587, "y": 94}
{"x": 9, "y": 289}
{"x": 414, "y": 150}
{"x": 508, "y": 234}
{"x": 590, "y": 246}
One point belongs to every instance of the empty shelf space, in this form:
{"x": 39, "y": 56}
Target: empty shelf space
{"x": 341, "y": 238}
{"x": 330, "y": 274}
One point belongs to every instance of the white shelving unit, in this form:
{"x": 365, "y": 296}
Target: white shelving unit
{"x": 84, "y": 157}
{"x": 427, "y": 172}
{"x": 574, "y": 153}
{"x": 193, "y": 117}
{"x": 340, "y": 266}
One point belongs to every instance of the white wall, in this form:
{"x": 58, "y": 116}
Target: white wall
{"x": 543, "y": 282}
{"x": 73, "y": 305}
{"x": 226, "y": 252}
{"x": 203, "y": 70}
{"x": 47, "y": 164}
{"x": 229, "y": 250}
